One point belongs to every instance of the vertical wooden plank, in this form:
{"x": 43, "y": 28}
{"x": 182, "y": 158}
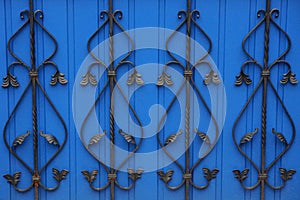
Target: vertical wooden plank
{"x": 209, "y": 24}
{"x": 4, "y": 106}
{"x": 146, "y": 187}
{"x": 280, "y": 115}
{"x": 291, "y": 97}
{"x": 277, "y": 74}
{"x": 131, "y": 26}
{"x": 85, "y": 24}
{"x": 173, "y": 119}
{"x": 219, "y": 52}
{"x": 162, "y": 58}
{"x": 55, "y": 21}
{"x": 232, "y": 58}
{"x": 73, "y": 136}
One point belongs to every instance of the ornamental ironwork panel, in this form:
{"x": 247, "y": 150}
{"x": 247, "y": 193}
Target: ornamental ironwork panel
{"x": 112, "y": 69}
{"x": 267, "y": 19}
{"x": 189, "y": 20}
{"x": 32, "y": 20}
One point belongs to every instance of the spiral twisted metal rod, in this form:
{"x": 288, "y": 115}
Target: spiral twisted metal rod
{"x": 267, "y": 18}
{"x": 110, "y": 18}
{"x": 189, "y": 18}
{"x": 33, "y": 19}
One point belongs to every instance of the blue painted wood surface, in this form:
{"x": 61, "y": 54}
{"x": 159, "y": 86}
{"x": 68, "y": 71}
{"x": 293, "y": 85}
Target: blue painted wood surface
{"x": 225, "y": 21}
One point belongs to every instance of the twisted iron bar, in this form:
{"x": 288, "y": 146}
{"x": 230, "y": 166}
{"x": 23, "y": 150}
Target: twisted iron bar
{"x": 189, "y": 19}
{"x": 32, "y": 19}
{"x": 267, "y": 18}
{"x": 112, "y": 70}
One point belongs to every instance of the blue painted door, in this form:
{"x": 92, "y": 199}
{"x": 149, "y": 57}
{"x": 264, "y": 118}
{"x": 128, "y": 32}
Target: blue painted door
{"x": 62, "y": 107}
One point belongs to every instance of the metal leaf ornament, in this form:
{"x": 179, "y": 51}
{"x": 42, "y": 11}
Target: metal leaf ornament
{"x": 280, "y": 137}
{"x": 135, "y": 77}
{"x": 20, "y": 139}
{"x": 58, "y": 77}
{"x": 166, "y": 177}
{"x": 164, "y": 78}
{"x": 129, "y": 138}
{"x": 212, "y": 77}
{"x": 88, "y": 78}
{"x": 134, "y": 175}
{"x": 241, "y": 176}
{"x": 203, "y": 136}
{"x": 90, "y": 177}
{"x": 286, "y": 174}
{"x": 172, "y": 138}
{"x": 59, "y": 175}
{"x": 242, "y": 78}
{"x": 51, "y": 139}
{"x": 289, "y": 77}
{"x": 96, "y": 138}
{"x": 248, "y": 137}
{"x": 210, "y": 174}
{"x": 14, "y": 180}
{"x": 10, "y": 80}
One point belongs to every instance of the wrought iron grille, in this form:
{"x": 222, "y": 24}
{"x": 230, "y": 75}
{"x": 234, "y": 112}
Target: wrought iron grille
{"x": 267, "y": 18}
{"x": 189, "y": 20}
{"x": 33, "y": 19}
{"x": 110, "y": 18}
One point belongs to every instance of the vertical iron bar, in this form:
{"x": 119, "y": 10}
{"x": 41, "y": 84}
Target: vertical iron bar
{"x": 188, "y": 36}
{"x": 187, "y": 104}
{"x": 264, "y": 103}
{"x": 34, "y": 105}
{"x": 32, "y": 34}
{"x": 111, "y": 33}
{"x": 188, "y": 6}
{"x": 111, "y": 112}
{"x": 187, "y": 136}
{"x": 112, "y": 137}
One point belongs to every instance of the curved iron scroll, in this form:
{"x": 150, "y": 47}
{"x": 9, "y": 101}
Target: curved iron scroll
{"x": 189, "y": 19}
{"x": 267, "y": 18}
{"x": 32, "y": 19}
{"x": 112, "y": 71}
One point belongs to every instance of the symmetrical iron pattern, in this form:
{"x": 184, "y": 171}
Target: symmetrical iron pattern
{"x": 267, "y": 18}
{"x": 32, "y": 19}
{"x": 111, "y": 84}
{"x": 189, "y": 20}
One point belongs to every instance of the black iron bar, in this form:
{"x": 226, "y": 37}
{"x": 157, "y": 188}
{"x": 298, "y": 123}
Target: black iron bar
{"x": 111, "y": 109}
{"x": 187, "y": 99}
{"x": 264, "y": 103}
{"x": 34, "y": 105}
